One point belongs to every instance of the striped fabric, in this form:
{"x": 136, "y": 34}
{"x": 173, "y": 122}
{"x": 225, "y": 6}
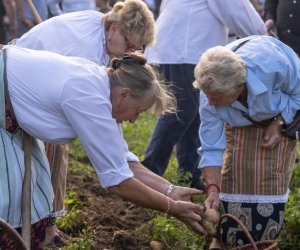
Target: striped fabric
{"x": 12, "y": 172}
{"x": 58, "y": 156}
{"x": 250, "y": 169}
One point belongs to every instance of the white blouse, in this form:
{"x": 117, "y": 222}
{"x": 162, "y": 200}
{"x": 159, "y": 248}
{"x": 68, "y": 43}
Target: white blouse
{"x": 57, "y": 98}
{"x": 73, "y": 34}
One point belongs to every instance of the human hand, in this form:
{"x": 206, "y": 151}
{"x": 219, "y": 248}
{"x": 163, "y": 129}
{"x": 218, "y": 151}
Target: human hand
{"x": 269, "y": 24}
{"x": 28, "y": 22}
{"x": 212, "y": 200}
{"x": 271, "y": 135}
{"x": 190, "y": 214}
{"x": 184, "y": 193}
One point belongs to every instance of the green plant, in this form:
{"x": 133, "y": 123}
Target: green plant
{"x": 175, "y": 235}
{"x": 86, "y": 240}
{"x": 71, "y": 222}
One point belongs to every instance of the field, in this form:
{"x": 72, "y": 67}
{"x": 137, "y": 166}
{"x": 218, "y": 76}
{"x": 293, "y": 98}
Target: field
{"x": 99, "y": 220}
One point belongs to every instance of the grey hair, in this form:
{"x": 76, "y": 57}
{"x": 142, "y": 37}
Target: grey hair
{"x": 142, "y": 80}
{"x": 220, "y": 70}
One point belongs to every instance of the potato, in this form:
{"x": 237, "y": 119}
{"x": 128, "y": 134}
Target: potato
{"x": 209, "y": 220}
{"x": 155, "y": 245}
{"x": 211, "y": 215}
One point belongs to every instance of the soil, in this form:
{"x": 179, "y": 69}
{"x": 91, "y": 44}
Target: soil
{"x": 113, "y": 219}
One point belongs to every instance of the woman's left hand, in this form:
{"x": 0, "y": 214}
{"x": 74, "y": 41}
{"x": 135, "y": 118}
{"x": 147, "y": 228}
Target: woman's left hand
{"x": 272, "y": 135}
{"x": 183, "y": 193}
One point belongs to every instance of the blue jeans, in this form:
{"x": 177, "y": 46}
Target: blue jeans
{"x": 179, "y": 130}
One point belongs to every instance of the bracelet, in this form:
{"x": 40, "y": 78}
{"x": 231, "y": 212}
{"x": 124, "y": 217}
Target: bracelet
{"x": 169, "y": 205}
{"x": 213, "y": 185}
{"x": 169, "y": 190}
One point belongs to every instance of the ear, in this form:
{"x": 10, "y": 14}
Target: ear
{"x": 113, "y": 26}
{"x": 122, "y": 95}
{"x": 241, "y": 87}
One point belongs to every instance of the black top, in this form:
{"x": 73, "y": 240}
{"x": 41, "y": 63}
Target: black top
{"x": 286, "y": 14}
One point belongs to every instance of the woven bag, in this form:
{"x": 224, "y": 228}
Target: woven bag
{"x": 259, "y": 245}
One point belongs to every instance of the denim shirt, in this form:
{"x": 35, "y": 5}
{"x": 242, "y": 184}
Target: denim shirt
{"x": 273, "y": 84}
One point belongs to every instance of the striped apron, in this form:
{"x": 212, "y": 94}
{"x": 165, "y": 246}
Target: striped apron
{"x": 12, "y": 172}
{"x": 254, "y": 185}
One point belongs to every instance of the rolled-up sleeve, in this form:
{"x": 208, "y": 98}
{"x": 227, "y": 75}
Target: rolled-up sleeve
{"x": 212, "y": 136}
{"x": 89, "y": 113}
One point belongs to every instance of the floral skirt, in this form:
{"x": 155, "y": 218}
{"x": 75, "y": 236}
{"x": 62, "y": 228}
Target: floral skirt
{"x": 38, "y": 234}
{"x": 263, "y": 221}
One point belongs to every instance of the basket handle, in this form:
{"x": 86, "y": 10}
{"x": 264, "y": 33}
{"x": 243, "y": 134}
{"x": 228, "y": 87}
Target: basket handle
{"x": 240, "y": 224}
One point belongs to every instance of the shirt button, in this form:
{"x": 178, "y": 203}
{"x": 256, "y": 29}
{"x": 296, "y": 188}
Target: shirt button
{"x": 291, "y": 15}
{"x": 288, "y": 31}
{"x": 294, "y": 1}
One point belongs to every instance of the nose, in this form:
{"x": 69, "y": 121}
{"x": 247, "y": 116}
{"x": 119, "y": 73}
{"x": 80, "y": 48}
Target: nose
{"x": 134, "y": 119}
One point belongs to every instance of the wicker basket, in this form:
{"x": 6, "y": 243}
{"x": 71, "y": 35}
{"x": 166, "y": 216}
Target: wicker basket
{"x": 259, "y": 245}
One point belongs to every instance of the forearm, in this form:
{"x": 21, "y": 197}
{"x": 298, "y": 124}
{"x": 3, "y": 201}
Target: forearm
{"x": 138, "y": 193}
{"x": 20, "y": 8}
{"x": 149, "y": 178}
{"x": 212, "y": 175}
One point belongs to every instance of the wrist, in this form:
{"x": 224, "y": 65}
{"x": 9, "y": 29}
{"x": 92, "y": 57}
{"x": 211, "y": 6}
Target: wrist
{"x": 279, "y": 121}
{"x": 213, "y": 187}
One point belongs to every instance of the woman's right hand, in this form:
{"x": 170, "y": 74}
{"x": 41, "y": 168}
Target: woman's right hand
{"x": 189, "y": 213}
{"x": 212, "y": 200}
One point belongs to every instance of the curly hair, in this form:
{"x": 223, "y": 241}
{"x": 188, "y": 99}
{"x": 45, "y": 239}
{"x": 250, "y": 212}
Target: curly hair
{"x": 142, "y": 79}
{"x": 134, "y": 19}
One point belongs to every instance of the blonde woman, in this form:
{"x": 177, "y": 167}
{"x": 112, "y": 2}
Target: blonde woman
{"x": 63, "y": 98}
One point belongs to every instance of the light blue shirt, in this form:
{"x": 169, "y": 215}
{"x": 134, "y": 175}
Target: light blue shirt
{"x": 273, "y": 83}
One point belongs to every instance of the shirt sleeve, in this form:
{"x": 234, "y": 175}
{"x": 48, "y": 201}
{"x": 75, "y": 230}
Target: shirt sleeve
{"x": 212, "y": 136}
{"x": 239, "y": 16}
{"x": 89, "y": 113}
{"x": 128, "y": 154}
{"x": 287, "y": 78}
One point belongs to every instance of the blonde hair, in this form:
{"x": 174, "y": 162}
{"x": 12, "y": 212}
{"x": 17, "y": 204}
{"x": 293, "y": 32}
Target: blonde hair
{"x": 134, "y": 19}
{"x": 220, "y": 70}
{"x": 142, "y": 79}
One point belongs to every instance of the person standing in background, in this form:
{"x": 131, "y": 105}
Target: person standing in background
{"x": 25, "y": 18}
{"x": 181, "y": 40}
{"x": 8, "y": 9}
{"x": 58, "y": 7}
{"x": 283, "y": 17}
{"x": 2, "y": 27}
{"x": 103, "y": 6}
